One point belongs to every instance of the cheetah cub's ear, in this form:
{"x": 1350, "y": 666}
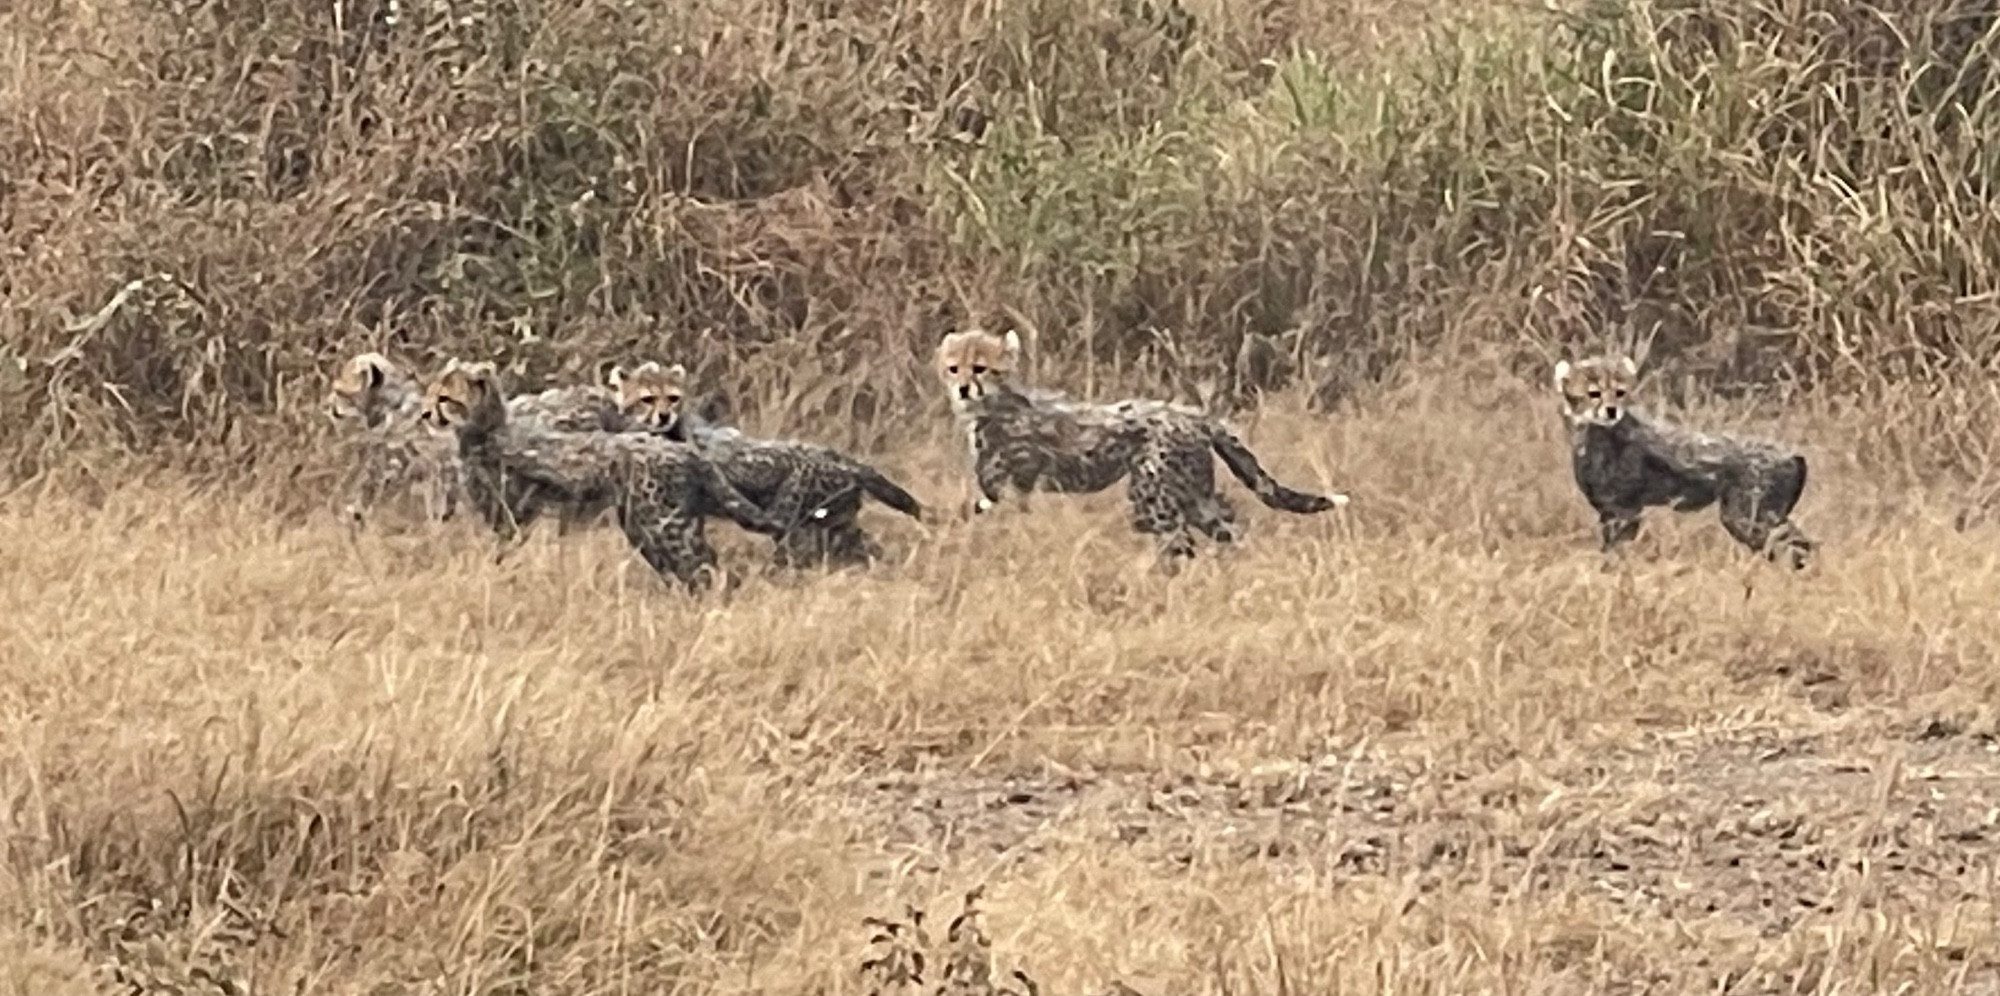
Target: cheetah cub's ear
{"x": 374, "y": 369}
{"x": 619, "y": 376}
{"x": 1631, "y": 366}
{"x": 1562, "y": 373}
{"x": 483, "y": 370}
{"x": 1013, "y": 344}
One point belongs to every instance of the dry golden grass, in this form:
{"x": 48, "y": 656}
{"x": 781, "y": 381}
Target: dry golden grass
{"x": 1430, "y": 745}
{"x": 1433, "y": 744}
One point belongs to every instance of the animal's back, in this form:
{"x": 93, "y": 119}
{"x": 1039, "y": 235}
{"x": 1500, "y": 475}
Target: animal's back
{"x": 1653, "y": 461}
{"x": 570, "y": 409}
{"x": 1055, "y": 443}
{"x": 588, "y": 463}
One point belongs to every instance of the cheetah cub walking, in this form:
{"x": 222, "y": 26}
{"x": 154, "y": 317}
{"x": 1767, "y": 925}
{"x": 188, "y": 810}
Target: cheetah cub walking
{"x": 397, "y": 455}
{"x": 661, "y": 491}
{"x": 1626, "y": 462}
{"x": 815, "y": 489}
{"x": 1027, "y": 440}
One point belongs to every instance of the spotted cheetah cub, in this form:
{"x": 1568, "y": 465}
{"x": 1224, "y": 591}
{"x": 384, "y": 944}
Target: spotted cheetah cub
{"x": 661, "y": 491}
{"x": 1028, "y": 440}
{"x": 815, "y": 489}
{"x": 1626, "y": 461}
{"x": 381, "y": 399}
{"x": 396, "y": 459}
{"x": 655, "y": 398}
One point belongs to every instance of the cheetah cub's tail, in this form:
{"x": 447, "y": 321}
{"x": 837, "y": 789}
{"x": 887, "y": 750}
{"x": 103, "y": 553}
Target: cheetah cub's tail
{"x": 890, "y": 493}
{"x": 1244, "y": 465}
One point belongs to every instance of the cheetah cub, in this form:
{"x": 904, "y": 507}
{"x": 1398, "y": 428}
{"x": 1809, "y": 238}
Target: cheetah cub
{"x": 815, "y": 489}
{"x": 655, "y": 398}
{"x": 1027, "y": 440}
{"x": 396, "y": 459}
{"x": 381, "y": 401}
{"x": 1626, "y": 461}
{"x": 661, "y": 491}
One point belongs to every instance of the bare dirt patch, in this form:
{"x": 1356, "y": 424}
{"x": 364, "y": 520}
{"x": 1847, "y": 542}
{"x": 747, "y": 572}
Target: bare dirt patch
{"x": 1758, "y": 834}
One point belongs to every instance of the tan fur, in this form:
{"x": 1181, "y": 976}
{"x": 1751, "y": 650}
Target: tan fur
{"x": 396, "y": 458}
{"x": 457, "y": 391}
{"x": 651, "y": 394}
{"x": 371, "y": 388}
{"x": 975, "y": 363}
{"x": 1596, "y": 390}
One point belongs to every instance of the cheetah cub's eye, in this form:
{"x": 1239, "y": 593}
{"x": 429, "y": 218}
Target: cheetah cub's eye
{"x": 978, "y": 368}
{"x": 951, "y": 369}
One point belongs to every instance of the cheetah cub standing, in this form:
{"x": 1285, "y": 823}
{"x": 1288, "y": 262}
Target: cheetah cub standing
{"x": 382, "y": 400}
{"x": 396, "y": 457}
{"x": 815, "y": 489}
{"x": 1028, "y": 440}
{"x": 1626, "y": 461}
{"x": 661, "y": 491}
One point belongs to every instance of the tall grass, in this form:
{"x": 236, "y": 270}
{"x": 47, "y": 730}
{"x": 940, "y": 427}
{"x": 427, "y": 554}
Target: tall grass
{"x": 797, "y": 198}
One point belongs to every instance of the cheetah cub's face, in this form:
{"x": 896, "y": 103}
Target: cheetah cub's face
{"x": 975, "y": 363}
{"x": 360, "y": 390}
{"x": 651, "y": 394}
{"x": 463, "y": 394}
{"x": 1596, "y": 391}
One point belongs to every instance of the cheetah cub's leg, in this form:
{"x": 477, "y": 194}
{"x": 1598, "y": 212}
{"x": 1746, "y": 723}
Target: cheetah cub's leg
{"x": 1763, "y": 530}
{"x": 1003, "y": 472}
{"x": 1216, "y": 517}
{"x": 830, "y": 537}
{"x": 1156, "y": 512}
{"x": 1205, "y": 508}
{"x": 673, "y": 543}
{"x": 988, "y": 486}
{"x": 836, "y": 546}
{"x": 1617, "y": 526}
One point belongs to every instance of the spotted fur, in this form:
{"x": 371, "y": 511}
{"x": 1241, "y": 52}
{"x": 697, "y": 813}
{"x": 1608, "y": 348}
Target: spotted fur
{"x": 662, "y": 492}
{"x": 1023, "y": 440}
{"x": 1625, "y": 461}
{"x": 396, "y": 461}
{"x": 815, "y": 489}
